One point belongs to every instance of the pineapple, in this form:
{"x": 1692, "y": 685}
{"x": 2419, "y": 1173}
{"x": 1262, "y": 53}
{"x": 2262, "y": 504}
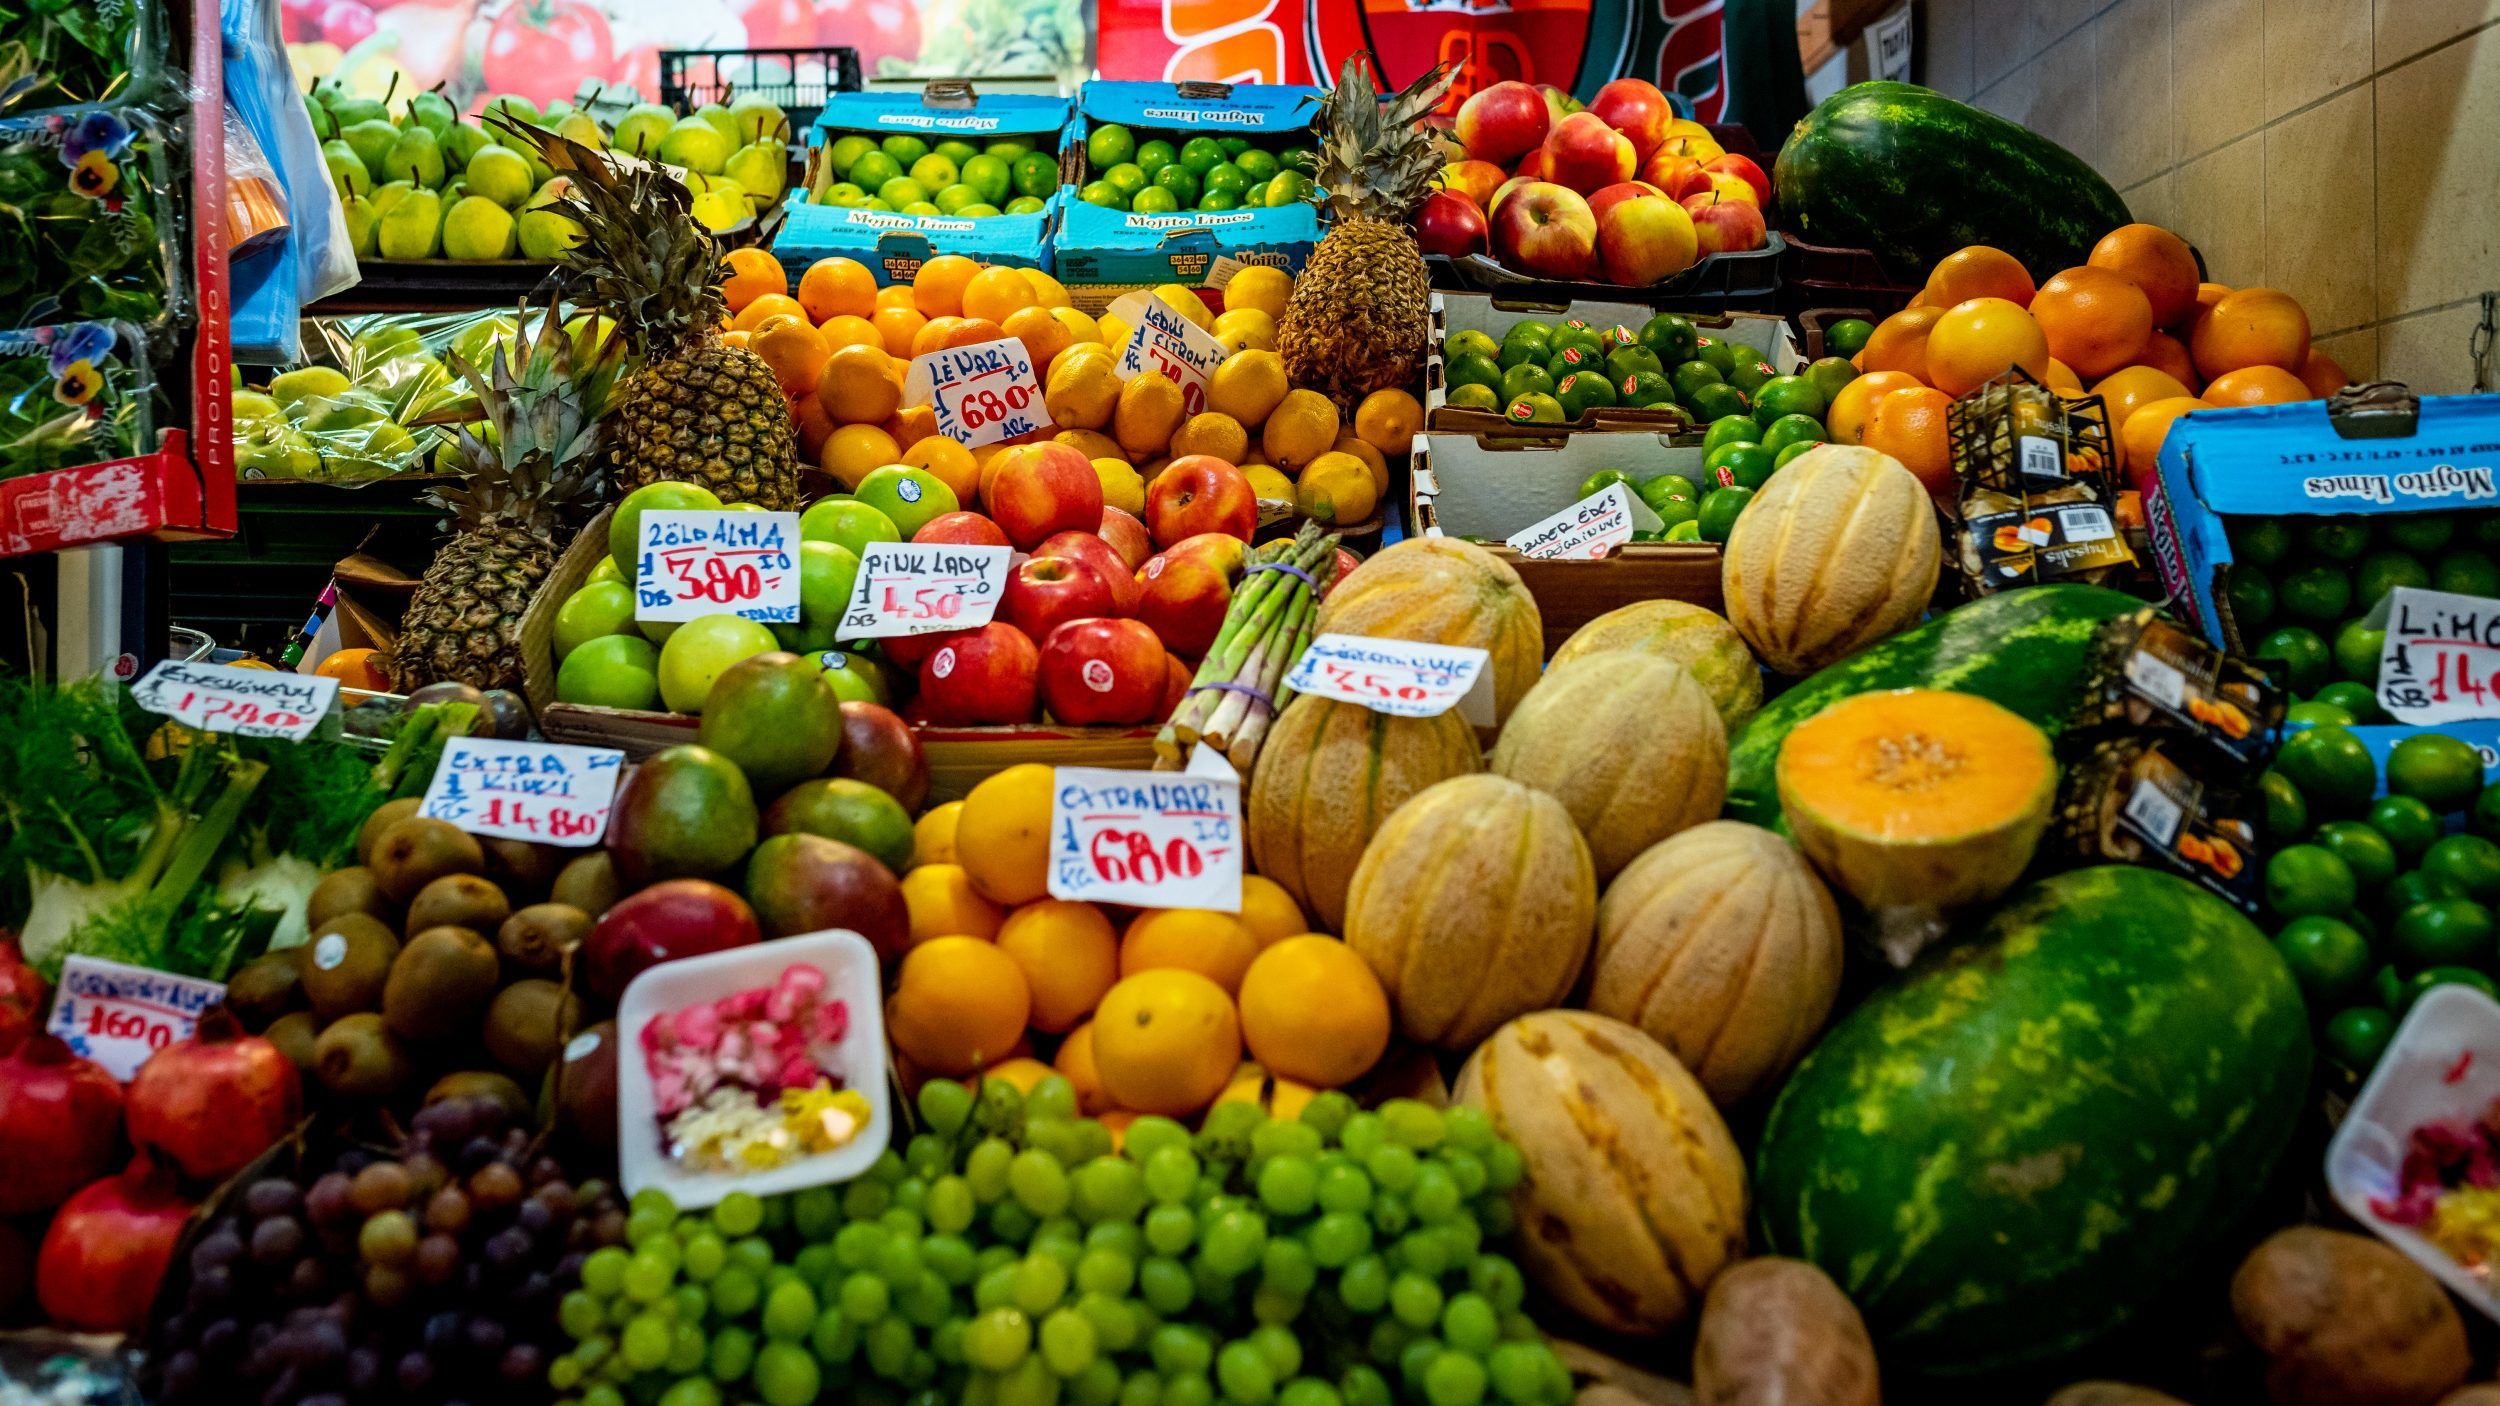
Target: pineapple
{"x": 1357, "y": 322}
{"x": 464, "y": 623}
{"x": 698, "y": 410}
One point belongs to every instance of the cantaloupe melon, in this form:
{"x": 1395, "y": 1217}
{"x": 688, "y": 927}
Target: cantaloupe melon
{"x": 1629, "y": 743}
{"x": 1328, "y": 774}
{"x": 1440, "y": 590}
{"x": 1681, "y": 633}
{"x": 1723, "y": 946}
{"x": 1473, "y": 904}
{"x": 1839, "y": 551}
{"x": 1634, "y": 1197}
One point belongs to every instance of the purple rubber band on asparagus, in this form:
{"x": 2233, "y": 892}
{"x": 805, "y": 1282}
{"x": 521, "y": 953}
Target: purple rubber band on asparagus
{"x": 1287, "y": 566}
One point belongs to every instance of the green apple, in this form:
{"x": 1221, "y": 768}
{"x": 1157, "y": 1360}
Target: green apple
{"x": 701, "y": 651}
{"x": 598, "y": 608}
{"x": 853, "y": 678}
{"x": 696, "y": 145}
{"x": 826, "y": 575}
{"x": 605, "y": 570}
{"x": 625, "y": 529}
{"x": 909, "y": 497}
{"x": 611, "y": 671}
{"x": 846, "y": 522}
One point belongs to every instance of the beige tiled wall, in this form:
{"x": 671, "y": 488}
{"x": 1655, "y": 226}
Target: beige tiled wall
{"x": 2345, "y": 151}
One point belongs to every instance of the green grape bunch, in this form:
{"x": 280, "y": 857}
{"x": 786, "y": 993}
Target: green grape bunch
{"x": 1010, "y": 1255}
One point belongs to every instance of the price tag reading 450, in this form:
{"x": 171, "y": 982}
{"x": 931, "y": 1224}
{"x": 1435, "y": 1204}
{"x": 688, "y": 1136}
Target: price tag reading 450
{"x": 1152, "y": 839}
{"x": 981, "y": 394}
{"x": 696, "y": 562}
{"x": 922, "y": 588}
{"x": 544, "y": 791}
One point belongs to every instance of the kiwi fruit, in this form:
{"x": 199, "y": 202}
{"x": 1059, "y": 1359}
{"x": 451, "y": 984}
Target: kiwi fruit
{"x": 417, "y": 851}
{"x": 457, "y": 901}
{"x": 346, "y": 891}
{"x": 521, "y": 867}
{"x": 481, "y": 1083}
{"x": 444, "y": 977}
{"x": 384, "y": 816}
{"x": 297, "y": 1035}
{"x": 358, "y": 1057}
{"x": 588, "y": 883}
{"x": 586, "y": 1086}
{"x": 526, "y": 1025}
{"x": 538, "y": 936}
{"x": 346, "y": 963}
{"x": 267, "y": 987}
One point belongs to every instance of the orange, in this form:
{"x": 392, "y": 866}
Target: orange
{"x": 2256, "y": 385}
{"x": 933, "y": 834}
{"x": 2062, "y": 377}
{"x": 733, "y": 339}
{"x": 856, "y": 388}
{"x": 1899, "y": 342}
{"x": 950, "y": 461}
{"x": 1269, "y": 912}
{"x": 1312, "y": 1010}
{"x": 1284, "y": 1099}
{"x": 959, "y": 1004}
{"x": 763, "y": 306}
{"x": 1076, "y": 1065}
{"x": 852, "y": 452}
{"x": 794, "y": 351}
{"x": 938, "y": 289}
{"x": 849, "y": 331}
{"x": 1166, "y": 1042}
{"x": 1069, "y": 955}
{"x": 972, "y": 331}
{"x": 2139, "y": 440}
{"x": 896, "y": 295}
{"x": 1978, "y": 271}
{"x": 362, "y": 668}
{"x": 1043, "y": 334}
{"x": 752, "y": 274}
{"x": 1003, "y": 835}
{"x": 1856, "y": 402}
{"x": 2157, "y": 262}
{"x": 2252, "y": 327}
{"x": 1021, "y": 1072}
{"x": 2164, "y": 352}
{"x": 1215, "y": 945}
{"x": 2323, "y": 374}
{"x": 2131, "y": 388}
{"x": 996, "y": 292}
{"x": 2095, "y": 320}
{"x": 838, "y": 288}
{"x": 942, "y": 903}
{"x": 933, "y": 334}
{"x": 897, "y": 327}
{"x": 1977, "y": 341}
{"x": 912, "y": 423}
{"x": 1909, "y": 425}
{"x": 814, "y": 426}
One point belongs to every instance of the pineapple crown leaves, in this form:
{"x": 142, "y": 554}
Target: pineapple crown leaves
{"x": 542, "y": 399}
{"x": 1378, "y": 160}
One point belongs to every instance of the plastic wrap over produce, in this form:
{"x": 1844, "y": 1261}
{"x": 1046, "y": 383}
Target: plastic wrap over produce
{"x": 73, "y": 393}
{"x": 349, "y": 412}
{"x": 90, "y": 241}
{"x": 61, "y": 53}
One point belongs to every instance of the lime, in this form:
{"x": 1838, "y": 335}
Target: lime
{"x": 2382, "y": 571}
{"x": 2316, "y": 714}
{"x": 1525, "y": 378}
{"x": 1673, "y": 511}
{"x": 2429, "y": 977}
{"x": 1299, "y": 158}
{"x": 1474, "y": 368}
{"x": 1180, "y": 180}
{"x": 2408, "y": 889}
{"x": 2331, "y": 767}
{"x": 1719, "y": 512}
{"x": 1831, "y": 375}
{"x": 2357, "y": 1036}
{"x": 1469, "y": 339}
{"x": 2337, "y": 538}
{"x": 1128, "y": 178}
{"x": 2327, "y": 957}
{"x": 1731, "y": 429}
{"x": 2353, "y": 698}
{"x": 2320, "y": 594}
{"x": 1537, "y": 328}
{"x": 1738, "y": 465}
{"x": 1690, "y": 376}
{"x": 1233, "y": 146}
{"x": 2305, "y": 879}
{"x": 1780, "y": 460}
{"x": 1583, "y": 390}
{"x": 2483, "y": 529}
{"x": 1788, "y": 395}
{"x": 1201, "y": 155}
{"x": 2261, "y": 541}
{"x": 2249, "y": 594}
{"x": 1530, "y": 349}
{"x": 1153, "y": 200}
{"x": 2471, "y": 861}
{"x": 1789, "y": 430}
{"x": 2357, "y": 649}
{"x": 1219, "y": 200}
{"x": 2418, "y": 532}
{"x": 1534, "y": 408}
{"x": 1686, "y": 531}
{"x": 1110, "y": 145}
{"x": 2287, "y": 810}
{"x": 2411, "y": 827}
{"x": 1257, "y": 165}
{"x": 2445, "y": 772}
{"x": 1667, "y": 488}
{"x": 1602, "y": 480}
{"x": 1751, "y": 376}
{"x": 1716, "y": 402}
{"x": 2484, "y": 818}
{"x": 2363, "y": 849}
{"x": 1623, "y": 361}
{"x": 1720, "y": 354}
{"x": 1847, "y": 337}
{"x": 1570, "y": 357}
{"x": 1474, "y": 397}
{"x": 2465, "y": 573}
{"x": 2443, "y": 932}
{"x": 1671, "y": 336}
{"x": 1647, "y": 388}
{"x": 1103, "y": 194}
{"x": 876, "y": 168}
{"x": 1224, "y": 178}
{"x": 2388, "y": 988}
{"x": 1155, "y": 155}
{"x": 2298, "y": 657}
{"x": 1037, "y": 174}
{"x": 904, "y": 149}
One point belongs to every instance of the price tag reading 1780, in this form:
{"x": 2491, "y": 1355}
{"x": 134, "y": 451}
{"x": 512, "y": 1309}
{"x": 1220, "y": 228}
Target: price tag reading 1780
{"x": 245, "y": 702}
{"x": 980, "y": 394}
{"x": 1152, "y": 839}
{"x": 922, "y": 588}
{"x": 549, "y": 792}
{"x": 698, "y": 562}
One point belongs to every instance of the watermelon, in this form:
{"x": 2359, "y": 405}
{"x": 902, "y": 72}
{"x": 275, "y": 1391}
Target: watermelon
{"x": 2026, "y": 649}
{"x": 1913, "y": 175}
{"x": 2002, "y": 1156}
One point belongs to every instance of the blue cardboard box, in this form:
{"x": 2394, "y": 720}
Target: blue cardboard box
{"x": 1101, "y": 246}
{"x": 2296, "y": 460}
{"x": 893, "y": 244}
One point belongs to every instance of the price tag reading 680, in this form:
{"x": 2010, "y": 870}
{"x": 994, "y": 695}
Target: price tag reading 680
{"x": 980, "y": 394}
{"x": 1153, "y": 839}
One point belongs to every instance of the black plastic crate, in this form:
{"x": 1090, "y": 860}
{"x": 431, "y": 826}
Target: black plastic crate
{"x": 690, "y": 78}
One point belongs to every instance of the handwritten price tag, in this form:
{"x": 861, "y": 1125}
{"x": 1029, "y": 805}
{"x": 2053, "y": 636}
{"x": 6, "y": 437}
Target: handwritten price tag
{"x": 118, "y": 1015}
{"x": 1588, "y": 529}
{"x": 547, "y": 792}
{"x": 2440, "y": 661}
{"x": 1167, "y": 341}
{"x": 245, "y": 702}
{"x": 1153, "y": 839}
{"x": 910, "y": 588}
{"x": 693, "y": 563}
{"x": 982, "y": 393}
{"x": 1399, "y": 677}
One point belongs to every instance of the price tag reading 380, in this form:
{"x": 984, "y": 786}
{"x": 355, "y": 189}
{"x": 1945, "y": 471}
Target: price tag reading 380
{"x": 1153, "y": 839}
{"x": 548, "y": 792}
{"x": 245, "y": 702}
{"x": 696, "y": 562}
{"x": 923, "y": 588}
{"x": 980, "y": 394}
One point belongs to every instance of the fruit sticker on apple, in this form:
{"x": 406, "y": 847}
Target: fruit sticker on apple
{"x": 548, "y": 793}
{"x": 1151, "y": 839}
{"x": 717, "y": 561}
{"x": 981, "y": 394}
{"x": 923, "y": 588}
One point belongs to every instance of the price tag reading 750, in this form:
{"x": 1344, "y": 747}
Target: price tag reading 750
{"x": 980, "y": 394}
{"x": 915, "y": 588}
{"x": 1399, "y": 677}
{"x": 1152, "y": 839}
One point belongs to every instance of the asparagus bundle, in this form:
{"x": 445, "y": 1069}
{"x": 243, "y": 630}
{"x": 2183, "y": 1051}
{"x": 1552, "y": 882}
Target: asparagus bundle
{"x": 1240, "y": 685}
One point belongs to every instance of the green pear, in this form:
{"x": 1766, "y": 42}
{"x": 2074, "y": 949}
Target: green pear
{"x": 387, "y": 341}
{"x": 722, "y": 120}
{"x": 346, "y": 171}
{"x": 761, "y": 168}
{"x": 414, "y": 227}
{"x": 350, "y": 111}
{"x": 540, "y": 171}
{"x": 386, "y": 196}
{"x": 554, "y": 113}
{"x": 546, "y": 235}
{"x": 475, "y": 343}
{"x": 697, "y": 145}
{"x": 434, "y": 112}
{"x": 500, "y": 174}
{"x": 416, "y": 156}
{"x": 514, "y": 106}
{"x": 477, "y": 228}
{"x": 252, "y": 407}
{"x": 759, "y": 119}
{"x": 465, "y": 142}
{"x": 640, "y": 129}
{"x": 362, "y": 224}
{"x": 583, "y": 128}
{"x": 324, "y": 126}
{"x": 294, "y": 390}
{"x": 549, "y": 191}
{"x": 371, "y": 139}
{"x": 273, "y": 449}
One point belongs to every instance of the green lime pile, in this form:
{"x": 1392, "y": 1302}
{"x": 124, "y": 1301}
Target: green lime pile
{"x": 2375, "y": 899}
{"x": 909, "y": 175}
{"x": 2301, "y": 586}
{"x": 1554, "y": 373}
{"x": 1159, "y": 176}
{"x": 1009, "y": 1255}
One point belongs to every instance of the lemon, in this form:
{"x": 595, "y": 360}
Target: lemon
{"x": 1082, "y": 393}
{"x": 1247, "y": 386}
{"x": 1187, "y": 300}
{"x": 1337, "y": 489}
{"x": 1052, "y": 292}
{"x": 1082, "y": 328}
{"x": 1267, "y": 483}
{"x": 1149, "y": 410}
{"x": 1122, "y": 486}
{"x": 1093, "y": 444}
{"x": 1388, "y": 420}
{"x": 1265, "y": 289}
{"x": 1115, "y": 330}
{"x": 1212, "y": 432}
{"x": 1348, "y": 444}
{"x": 1302, "y": 427}
{"x": 1246, "y": 329}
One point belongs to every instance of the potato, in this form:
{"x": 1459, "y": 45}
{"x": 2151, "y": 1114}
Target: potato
{"x": 2345, "y": 1321}
{"x": 2112, "y": 1394}
{"x": 1778, "y": 1332}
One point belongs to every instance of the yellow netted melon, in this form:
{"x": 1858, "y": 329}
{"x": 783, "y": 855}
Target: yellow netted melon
{"x": 1681, "y": 633}
{"x": 1839, "y": 551}
{"x": 1439, "y": 590}
{"x": 1629, "y": 743}
{"x": 1723, "y": 946}
{"x": 1916, "y": 797}
{"x": 1473, "y": 904}
{"x": 1327, "y": 776}
{"x": 1634, "y": 1197}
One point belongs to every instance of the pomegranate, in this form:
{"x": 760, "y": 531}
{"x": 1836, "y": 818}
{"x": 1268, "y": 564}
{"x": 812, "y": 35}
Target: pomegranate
{"x": 21, "y": 996}
{"x": 108, "y": 1247}
{"x": 212, "y": 1103}
{"x": 60, "y": 1123}
{"x": 17, "y": 1269}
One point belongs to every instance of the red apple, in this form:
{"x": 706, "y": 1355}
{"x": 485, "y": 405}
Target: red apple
{"x": 1559, "y": 103}
{"x": 1670, "y": 172}
{"x": 1726, "y": 185}
{"x": 1199, "y": 493}
{"x": 1103, "y": 557}
{"x": 1498, "y": 123}
{"x": 1042, "y": 489}
{"x": 1644, "y": 239}
{"x": 1725, "y": 226}
{"x": 1503, "y": 192}
{"x": 1186, "y": 589}
{"x": 1176, "y": 680}
{"x": 1745, "y": 169}
{"x": 962, "y": 530}
{"x": 908, "y": 650}
{"x": 1585, "y": 154}
{"x": 1477, "y": 180}
{"x": 1047, "y": 592}
{"x": 981, "y": 676}
{"x": 1103, "y": 671}
{"x": 1604, "y": 200}
{"x": 1127, "y": 536}
{"x": 1636, "y": 109}
{"x": 1546, "y": 229}
{"x": 1532, "y": 167}
{"x": 1451, "y": 224}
